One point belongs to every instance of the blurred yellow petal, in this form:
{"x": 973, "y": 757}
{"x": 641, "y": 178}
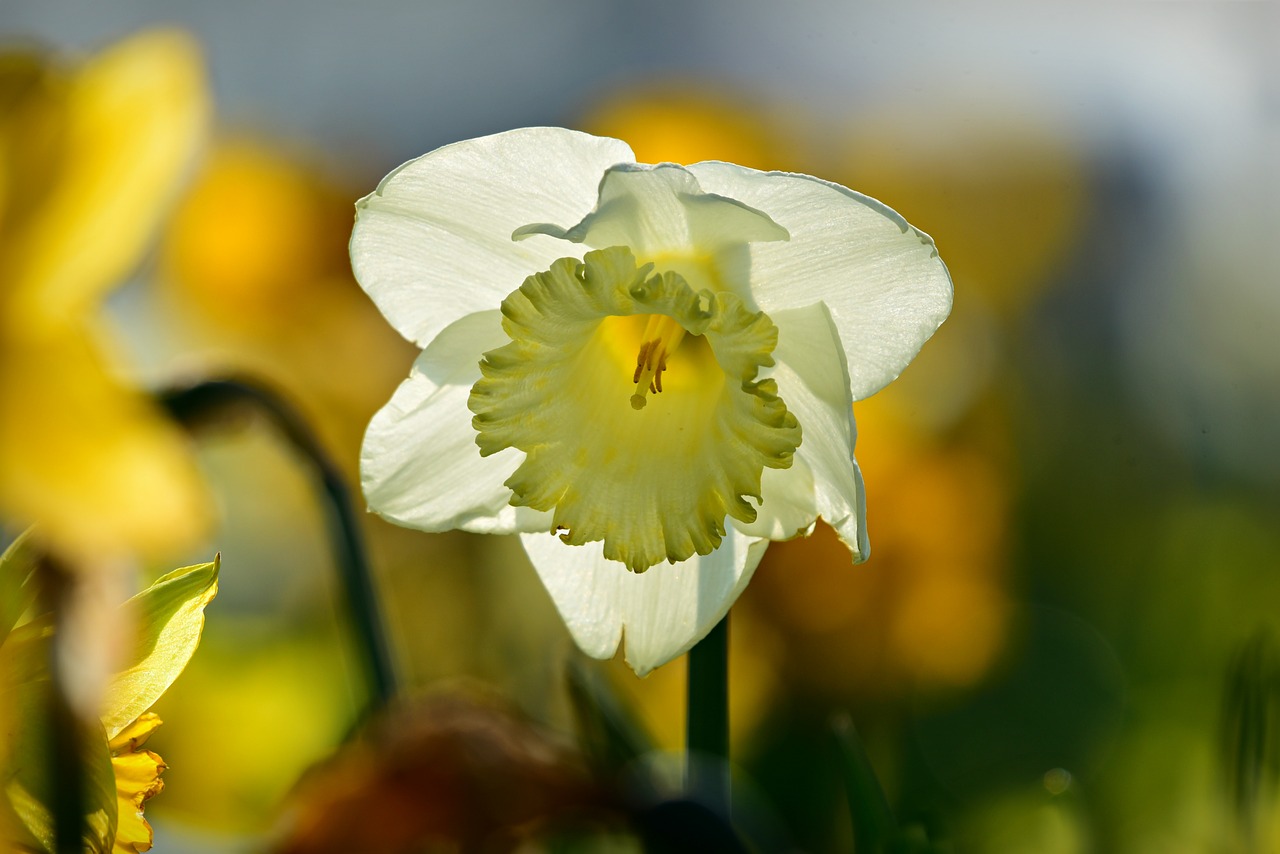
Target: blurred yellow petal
{"x": 948, "y": 631}
{"x": 930, "y": 611}
{"x": 90, "y": 158}
{"x": 1009, "y": 194}
{"x": 93, "y": 461}
{"x": 122, "y": 775}
{"x": 137, "y": 779}
{"x": 33, "y": 96}
{"x": 261, "y": 232}
{"x": 255, "y": 235}
{"x": 135, "y": 114}
{"x": 686, "y": 122}
{"x": 133, "y": 736}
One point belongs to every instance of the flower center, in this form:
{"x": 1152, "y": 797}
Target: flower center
{"x": 662, "y": 335}
{"x": 654, "y": 480}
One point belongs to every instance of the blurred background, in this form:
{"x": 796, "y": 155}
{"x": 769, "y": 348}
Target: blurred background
{"x": 1073, "y": 581}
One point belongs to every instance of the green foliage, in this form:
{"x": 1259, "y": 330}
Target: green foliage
{"x": 875, "y": 829}
{"x": 1251, "y": 719}
{"x": 37, "y": 724}
{"x": 16, "y": 595}
{"x": 873, "y": 821}
{"x": 31, "y": 778}
{"x": 170, "y": 617}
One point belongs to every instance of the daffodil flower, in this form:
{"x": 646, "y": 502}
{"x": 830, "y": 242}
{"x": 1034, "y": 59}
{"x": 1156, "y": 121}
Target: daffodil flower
{"x": 647, "y": 371}
{"x": 88, "y": 162}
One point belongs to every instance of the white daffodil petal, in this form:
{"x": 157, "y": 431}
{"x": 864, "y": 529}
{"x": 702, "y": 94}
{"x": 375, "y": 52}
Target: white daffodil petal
{"x": 658, "y": 210}
{"x": 420, "y": 466}
{"x": 887, "y": 289}
{"x": 824, "y": 479}
{"x": 661, "y": 613}
{"x": 433, "y": 242}
{"x": 788, "y": 506}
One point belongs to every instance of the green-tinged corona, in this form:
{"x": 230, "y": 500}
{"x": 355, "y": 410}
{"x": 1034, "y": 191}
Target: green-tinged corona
{"x": 637, "y": 403}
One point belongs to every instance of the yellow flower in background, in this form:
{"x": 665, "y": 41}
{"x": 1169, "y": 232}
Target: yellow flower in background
{"x": 120, "y": 776}
{"x": 933, "y": 612}
{"x": 254, "y": 279}
{"x": 686, "y": 121}
{"x": 256, "y": 234}
{"x": 88, "y": 160}
{"x": 618, "y": 356}
{"x": 1010, "y": 191}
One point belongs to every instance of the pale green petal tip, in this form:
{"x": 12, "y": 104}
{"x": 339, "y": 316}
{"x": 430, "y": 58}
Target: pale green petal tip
{"x": 546, "y": 228}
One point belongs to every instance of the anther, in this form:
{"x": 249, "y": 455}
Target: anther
{"x": 640, "y": 360}
{"x": 661, "y": 337}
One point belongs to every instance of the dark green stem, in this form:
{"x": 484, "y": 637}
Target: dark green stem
{"x": 66, "y": 768}
{"x": 209, "y": 401}
{"x": 707, "y": 737}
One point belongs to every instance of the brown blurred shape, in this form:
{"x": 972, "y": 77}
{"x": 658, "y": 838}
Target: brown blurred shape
{"x": 453, "y": 772}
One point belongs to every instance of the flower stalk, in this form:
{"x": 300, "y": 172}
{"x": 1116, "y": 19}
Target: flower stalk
{"x": 65, "y": 752}
{"x": 205, "y": 402}
{"x": 707, "y": 732}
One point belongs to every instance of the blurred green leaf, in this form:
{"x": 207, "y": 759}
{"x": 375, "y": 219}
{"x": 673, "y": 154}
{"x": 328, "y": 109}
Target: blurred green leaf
{"x": 16, "y": 566}
{"x": 29, "y": 782}
{"x": 609, "y": 736}
{"x": 170, "y": 618}
{"x": 873, "y": 822}
{"x": 1251, "y": 726}
{"x": 25, "y": 655}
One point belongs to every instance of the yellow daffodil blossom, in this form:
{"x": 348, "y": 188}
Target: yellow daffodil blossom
{"x": 88, "y": 160}
{"x": 137, "y": 774}
{"x": 647, "y": 371}
{"x": 120, "y": 775}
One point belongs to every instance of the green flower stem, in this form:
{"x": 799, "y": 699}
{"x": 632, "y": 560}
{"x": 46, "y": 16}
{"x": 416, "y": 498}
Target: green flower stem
{"x": 707, "y": 736}
{"x": 66, "y": 769}
{"x": 206, "y": 401}
{"x": 68, "y": 778}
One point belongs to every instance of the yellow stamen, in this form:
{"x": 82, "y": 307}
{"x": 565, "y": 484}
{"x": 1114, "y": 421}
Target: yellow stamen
{"x": 662, "y": 336}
